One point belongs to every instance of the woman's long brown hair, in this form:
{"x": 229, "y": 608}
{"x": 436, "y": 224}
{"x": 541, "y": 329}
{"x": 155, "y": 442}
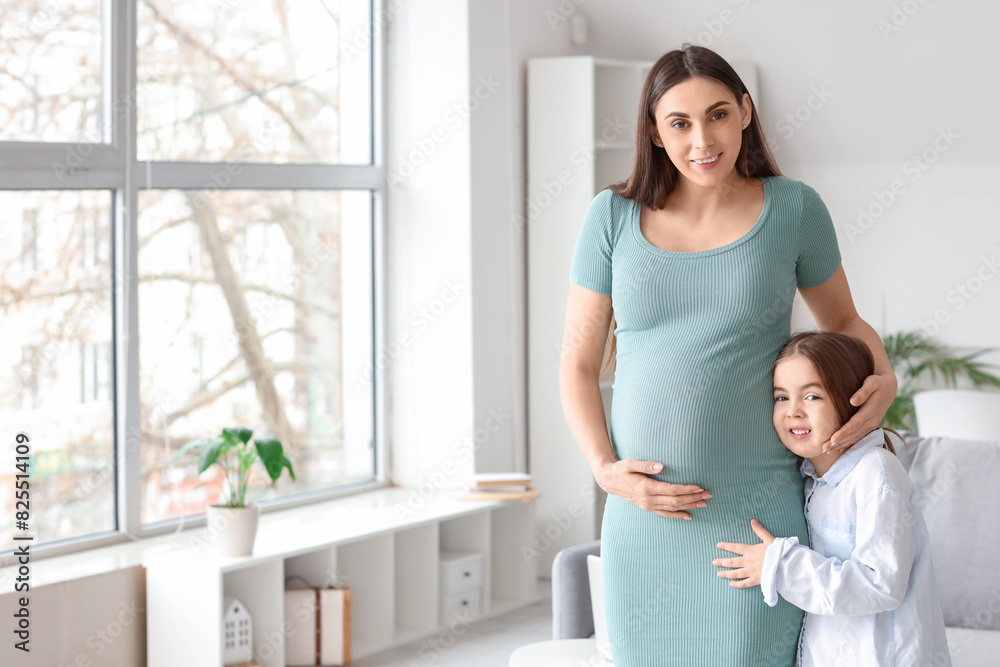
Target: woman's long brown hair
{"x": 653, "y": 176}
{"x": 842, "y": 363}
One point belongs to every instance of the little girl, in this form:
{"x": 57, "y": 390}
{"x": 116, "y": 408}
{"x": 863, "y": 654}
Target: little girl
{"x": 865, "y": 582}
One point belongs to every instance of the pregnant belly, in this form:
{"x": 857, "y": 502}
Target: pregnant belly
{"x": 718, "y": 432}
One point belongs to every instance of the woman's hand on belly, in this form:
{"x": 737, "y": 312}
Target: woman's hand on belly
{"x": 629, "y": 479}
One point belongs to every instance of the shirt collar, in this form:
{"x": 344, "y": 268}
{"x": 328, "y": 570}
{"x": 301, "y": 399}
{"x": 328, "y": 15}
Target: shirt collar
{"x": 845, "y": 464}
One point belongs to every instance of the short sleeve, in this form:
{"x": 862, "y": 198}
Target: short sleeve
{"x": 819, "y": 254}
{"x": 591, "y": 267}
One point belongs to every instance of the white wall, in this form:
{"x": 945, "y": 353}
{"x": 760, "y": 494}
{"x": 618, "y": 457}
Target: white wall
{"x": 429, "y": 297}
{"x": 457, "y": 388}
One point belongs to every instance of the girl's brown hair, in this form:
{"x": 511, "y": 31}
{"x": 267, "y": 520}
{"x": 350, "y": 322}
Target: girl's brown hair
{"x": 842, "y": 363}
{"x": 653, "y": 176}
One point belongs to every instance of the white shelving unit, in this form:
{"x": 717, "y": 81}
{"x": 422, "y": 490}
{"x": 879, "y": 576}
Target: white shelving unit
{"x": 582, "y": 114}
{"x": 390, "y": 562}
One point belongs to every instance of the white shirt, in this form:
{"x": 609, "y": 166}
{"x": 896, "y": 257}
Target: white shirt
{"x": 867, "y": 584}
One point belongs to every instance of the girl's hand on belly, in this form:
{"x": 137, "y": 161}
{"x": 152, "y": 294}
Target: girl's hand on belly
{"x": 751, "y": 561}
{"x": 629, "y": 479}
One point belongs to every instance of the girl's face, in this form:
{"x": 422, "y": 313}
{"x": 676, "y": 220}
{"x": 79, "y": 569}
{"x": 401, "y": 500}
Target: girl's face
{"x": 804, "y": 415}
{"x": 699, "y": 118}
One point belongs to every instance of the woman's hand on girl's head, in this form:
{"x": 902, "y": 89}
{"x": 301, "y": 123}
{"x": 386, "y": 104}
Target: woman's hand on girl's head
{"x": 629, "y": 479}
{"x": 875, "y": 396}
{"x": 750, "y": 563}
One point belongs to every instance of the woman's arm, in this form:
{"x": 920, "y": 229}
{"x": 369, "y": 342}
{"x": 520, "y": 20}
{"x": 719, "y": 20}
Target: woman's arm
{"x": 588, "y": 318}
{"x": 833, "y": 309}
{"x": 875, "y": 578}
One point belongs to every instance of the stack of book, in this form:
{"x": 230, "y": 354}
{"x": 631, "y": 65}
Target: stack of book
{"x": 500, "y": 482}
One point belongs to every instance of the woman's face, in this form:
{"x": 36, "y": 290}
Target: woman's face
{"x": 804, "y": 415}
{"x": 699, "y": 118}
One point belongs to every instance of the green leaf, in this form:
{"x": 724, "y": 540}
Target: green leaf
{"x": 273, "y": 455}
{"x": 980, "y": 377}
{"x": 241, "y": 435}
{"x": 194, "y": 444}
{"x": 211, "y": 449}
{"x": 900, "y": 414}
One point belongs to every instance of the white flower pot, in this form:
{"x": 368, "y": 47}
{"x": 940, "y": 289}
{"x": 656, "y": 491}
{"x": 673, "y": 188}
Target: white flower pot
{"x": 232, "y": 529}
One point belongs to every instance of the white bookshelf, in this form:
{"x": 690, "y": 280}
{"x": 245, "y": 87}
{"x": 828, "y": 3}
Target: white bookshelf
{"x": 391, "y": 564}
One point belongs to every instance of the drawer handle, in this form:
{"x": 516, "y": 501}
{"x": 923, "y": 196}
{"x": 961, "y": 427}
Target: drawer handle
{"x": 465, "y": 603}
{"x": 467, "y": 573}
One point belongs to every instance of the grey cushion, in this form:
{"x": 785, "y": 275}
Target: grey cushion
{"x": 572, "y": 617}
{"x": 957, "y": 484}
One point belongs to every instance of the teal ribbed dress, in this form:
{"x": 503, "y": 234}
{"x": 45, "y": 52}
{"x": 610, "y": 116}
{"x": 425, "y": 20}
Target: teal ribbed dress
{"x": 697, "y": 333}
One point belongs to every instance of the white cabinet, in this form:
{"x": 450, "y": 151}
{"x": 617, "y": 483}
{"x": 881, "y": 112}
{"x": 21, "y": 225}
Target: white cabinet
{"x": 460, "y": 571}
{"x": 461, "y": 584}
{"x": 391, "y": 559}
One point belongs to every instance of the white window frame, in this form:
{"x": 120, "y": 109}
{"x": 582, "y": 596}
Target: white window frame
{"x": 114, "y": 166}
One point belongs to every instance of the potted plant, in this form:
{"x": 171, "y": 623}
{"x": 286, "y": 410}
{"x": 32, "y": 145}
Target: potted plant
{"x": 914, "y": 355}
{"x": 235, "y": 520}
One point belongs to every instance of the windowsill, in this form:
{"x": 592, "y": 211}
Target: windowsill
{"x": 367, "y": 512}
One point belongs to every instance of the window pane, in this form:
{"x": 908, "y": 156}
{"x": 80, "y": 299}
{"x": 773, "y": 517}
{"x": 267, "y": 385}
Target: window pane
{"x": 56, "y": 380}
{"x": 243, "y": 321}
{"x": 50, "y": 71}
{"x": 255, "y": 81}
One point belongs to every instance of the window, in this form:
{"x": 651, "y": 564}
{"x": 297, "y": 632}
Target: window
{"x": 196, "y": 252}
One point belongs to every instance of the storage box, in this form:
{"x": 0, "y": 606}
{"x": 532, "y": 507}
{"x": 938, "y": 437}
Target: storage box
{"x": 460, "y": 604}
{"x": 319, "y": 626}
{"x": 461, "y": 580}
{"x": 460, "y": 571}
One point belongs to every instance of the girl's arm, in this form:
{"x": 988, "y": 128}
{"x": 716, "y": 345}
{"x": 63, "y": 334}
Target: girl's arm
{"x": 873, "y": 580}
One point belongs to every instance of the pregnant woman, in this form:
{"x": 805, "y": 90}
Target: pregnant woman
{"x": 688, "y": 269}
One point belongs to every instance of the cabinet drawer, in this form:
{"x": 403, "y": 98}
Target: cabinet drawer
{"x": 460, "y": 571}
{"x": 460, "y": 604}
